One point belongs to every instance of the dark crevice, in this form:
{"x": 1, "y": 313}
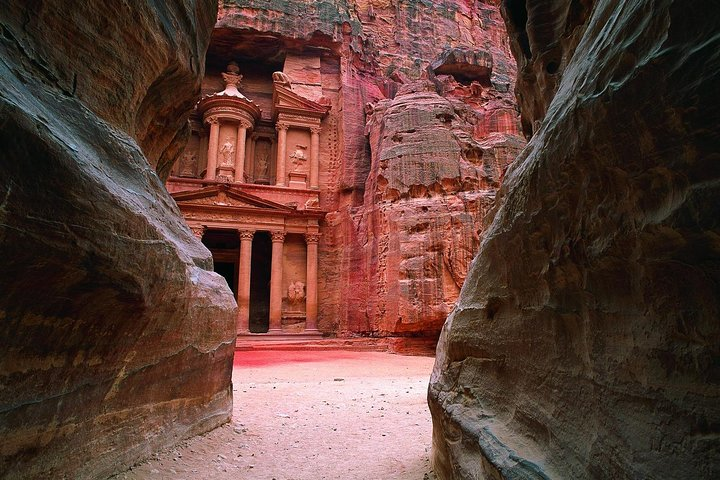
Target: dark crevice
{"x": 517, "y": 13}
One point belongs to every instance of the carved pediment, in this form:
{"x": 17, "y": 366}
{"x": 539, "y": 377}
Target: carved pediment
{"x": 227, "y": 196}
{"x": 287, "y": 101}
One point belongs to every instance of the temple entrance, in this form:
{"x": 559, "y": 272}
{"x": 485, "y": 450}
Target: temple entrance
{"x": 260, "y": 283}
{"x": 227, "y": 270}
{"x": 225, "y": 247}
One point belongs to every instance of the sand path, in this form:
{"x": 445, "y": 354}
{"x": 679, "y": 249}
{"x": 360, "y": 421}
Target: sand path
{"x": 309, "y": 415}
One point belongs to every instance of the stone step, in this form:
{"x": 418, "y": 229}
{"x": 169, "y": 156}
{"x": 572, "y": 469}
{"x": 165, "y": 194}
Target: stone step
{"x": 310, "y": 341}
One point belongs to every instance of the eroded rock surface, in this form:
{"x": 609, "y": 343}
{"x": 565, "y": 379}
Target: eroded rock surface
{"x": 585, "y": 342}
{"x": 116, "y": 338}
{"x": 430, "y": 184}
{"x": 403, "y": 215}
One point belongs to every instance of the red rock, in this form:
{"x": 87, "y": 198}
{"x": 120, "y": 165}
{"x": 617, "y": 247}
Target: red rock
{"x": 396, "y": 241}
{"x": 585, "y": 339}
{"x": 117, "y": 340}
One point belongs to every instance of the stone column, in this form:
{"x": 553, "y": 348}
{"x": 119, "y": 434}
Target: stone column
{"x": 198, "y": 231}
{"x": 240, "y": 151}
{"x": 311, "y": 296}
{"x": 276, "y": 277}
{"x": 244, "y": 265}
{"x": 281, "y": 153}
{"x": 213, "y": 148}
{"x": 314, "y": 157}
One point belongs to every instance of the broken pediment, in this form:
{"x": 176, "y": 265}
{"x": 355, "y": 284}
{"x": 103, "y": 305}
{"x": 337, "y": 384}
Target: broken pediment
{"x": 227, "y": 196}
{"x": 288, "y": 102}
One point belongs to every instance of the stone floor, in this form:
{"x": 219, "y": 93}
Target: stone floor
{"x": 301, "y": 415}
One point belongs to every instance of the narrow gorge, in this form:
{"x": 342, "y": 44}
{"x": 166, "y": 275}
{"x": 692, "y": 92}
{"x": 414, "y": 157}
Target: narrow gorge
{"x": 525, "y": 189}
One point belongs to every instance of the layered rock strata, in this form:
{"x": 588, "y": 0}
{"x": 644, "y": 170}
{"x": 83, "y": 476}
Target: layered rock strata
{"x": 396, "y": 241}
{"x": 115, "y": 336}
{"x": 585, "y": 341}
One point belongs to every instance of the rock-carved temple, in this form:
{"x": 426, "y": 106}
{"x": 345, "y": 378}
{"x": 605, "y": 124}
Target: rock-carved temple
{"x": 356, "y": 168}
{"x": 248, "y": 187}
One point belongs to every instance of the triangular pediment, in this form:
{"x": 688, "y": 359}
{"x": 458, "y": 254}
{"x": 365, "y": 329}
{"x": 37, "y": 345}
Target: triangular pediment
{"x": 287, "y": 101}
{"x": 227, "y": 196}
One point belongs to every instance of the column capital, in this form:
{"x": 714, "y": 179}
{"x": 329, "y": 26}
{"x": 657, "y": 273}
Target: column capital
{"x": 277, "y": 237}
{"x": 198, "y": 231}
{"x": 245, "y": 124}
{"x": 281, "y": 126}
{"x": 246, "y": 234}
{"x": 312, "y": 237}
{"x": 315, "y": 130}
{"x": 212, "y": 121}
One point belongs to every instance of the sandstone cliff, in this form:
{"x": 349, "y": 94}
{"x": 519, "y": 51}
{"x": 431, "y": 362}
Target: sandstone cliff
{"x": 585, "y": 342}
{"x": 403, "y": 220}
{"x": 115, "y": 337}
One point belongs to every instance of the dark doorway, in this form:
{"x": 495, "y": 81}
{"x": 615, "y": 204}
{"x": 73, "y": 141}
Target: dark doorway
{"x": 227, "y": 270}
{"x": 260, "y": 283}
{"x": 225, "y": 248}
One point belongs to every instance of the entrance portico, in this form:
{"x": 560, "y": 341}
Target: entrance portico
{"x": 227, "y": 211}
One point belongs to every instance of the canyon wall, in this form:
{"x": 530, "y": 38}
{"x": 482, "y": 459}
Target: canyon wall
{"x": 116, "y": 339}
{"x": 585, "y": 342}
{"x": 405, "y": 187}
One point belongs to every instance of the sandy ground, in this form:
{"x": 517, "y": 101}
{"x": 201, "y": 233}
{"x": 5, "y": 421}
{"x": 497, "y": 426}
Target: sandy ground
{"x": 308, "y": 415}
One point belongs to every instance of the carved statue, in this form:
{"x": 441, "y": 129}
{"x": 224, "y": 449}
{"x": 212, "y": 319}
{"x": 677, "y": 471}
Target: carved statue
{"x": 187, "y": 165}
{"x": 262, "y": 155}
{"x": 282, "y": 79}
{"x": 296, "y": 292}
{"x": 227, "y": 151}
{"x": 298, "y": 155}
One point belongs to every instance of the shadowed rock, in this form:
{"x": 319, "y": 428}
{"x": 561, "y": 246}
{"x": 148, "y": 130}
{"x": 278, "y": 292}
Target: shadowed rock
{"x": 116, "y": 338}
{"x": 465, "y": 65}
{"x": 585, "y": 342}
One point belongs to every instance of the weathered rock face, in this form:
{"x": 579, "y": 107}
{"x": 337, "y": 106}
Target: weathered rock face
{"x": 403, "y": 214}
{"x": 430, "y": 184}
{"x": 585, "y": 342}
{"x": 116, "y": 339}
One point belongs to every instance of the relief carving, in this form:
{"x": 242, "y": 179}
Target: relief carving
{"x": 298, "y": 156}
{"x": 262, "y": 159}
{"x": 296, "y": 293}
{"x": 228, "y": 153}
{"x": 188, "y": 164}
